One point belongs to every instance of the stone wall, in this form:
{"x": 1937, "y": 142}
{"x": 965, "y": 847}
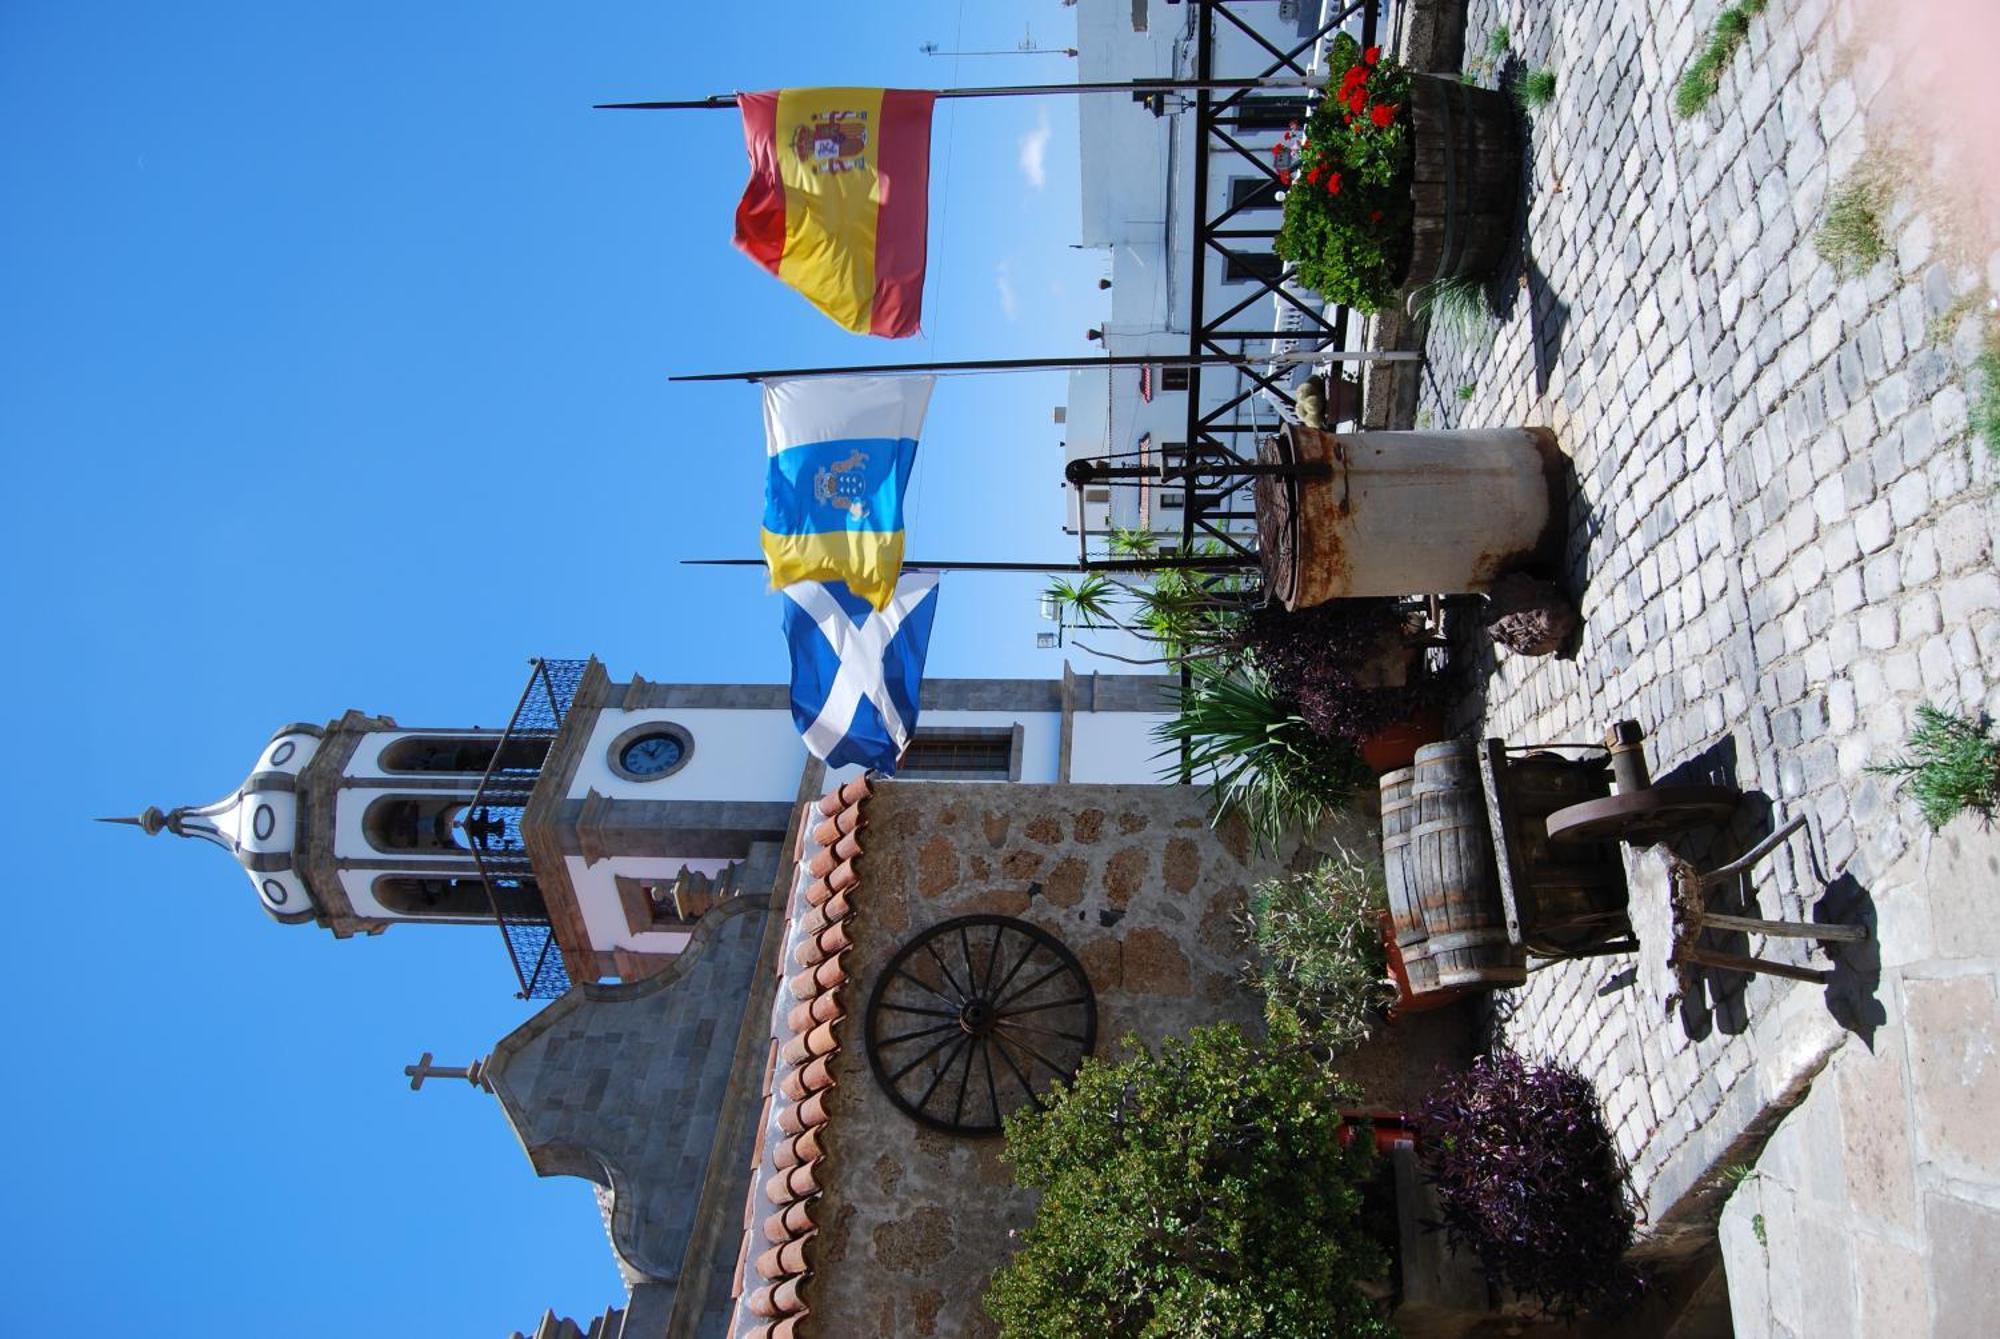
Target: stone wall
{"x": 1135, "y": 883}
{"x": 628, "y": 1085}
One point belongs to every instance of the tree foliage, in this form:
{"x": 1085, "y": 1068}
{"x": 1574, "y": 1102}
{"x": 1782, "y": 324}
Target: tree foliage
{"x": 1198, "y": 1193}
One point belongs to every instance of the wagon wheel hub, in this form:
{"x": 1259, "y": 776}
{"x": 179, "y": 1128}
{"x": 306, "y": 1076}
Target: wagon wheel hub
{"x": 975, "y": 1018}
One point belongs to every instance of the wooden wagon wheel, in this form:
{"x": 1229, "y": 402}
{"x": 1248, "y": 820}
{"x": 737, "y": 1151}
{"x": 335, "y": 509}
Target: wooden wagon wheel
{"x": 975, "y": 1017}
{"x": 1644, "y": 817}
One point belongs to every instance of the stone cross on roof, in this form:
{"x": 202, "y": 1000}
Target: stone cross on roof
{"x": 424, "y": 1069}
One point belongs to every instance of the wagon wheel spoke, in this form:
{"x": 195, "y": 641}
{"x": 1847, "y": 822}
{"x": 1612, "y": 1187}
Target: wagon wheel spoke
{"x": 997, "y": 974}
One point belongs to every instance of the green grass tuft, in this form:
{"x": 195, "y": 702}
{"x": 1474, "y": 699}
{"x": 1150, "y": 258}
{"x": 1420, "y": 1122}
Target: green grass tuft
{"x": 1851, "y": 238}
{"x": 1697, "y": 86}
{"x": 1986, "y": 400}
{"x": 1496, "y": 45}
{"x": 1704, "y": 76}
{"x": 1953, "y": 766}
{"x": 1536, "y": 89}
{"x": 1467, "y": 391}
{"x": 1457, "y": 305}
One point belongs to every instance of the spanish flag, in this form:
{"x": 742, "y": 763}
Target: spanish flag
{"x": 841, "y": 450}
{"x": 838, "y": 201}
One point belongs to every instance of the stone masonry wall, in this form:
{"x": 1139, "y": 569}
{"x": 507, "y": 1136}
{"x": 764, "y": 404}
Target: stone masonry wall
{"x": 1138, "y": 886}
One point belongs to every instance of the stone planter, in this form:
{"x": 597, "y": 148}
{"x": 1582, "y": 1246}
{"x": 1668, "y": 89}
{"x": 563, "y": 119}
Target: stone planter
{"x": 1465, "y": 179}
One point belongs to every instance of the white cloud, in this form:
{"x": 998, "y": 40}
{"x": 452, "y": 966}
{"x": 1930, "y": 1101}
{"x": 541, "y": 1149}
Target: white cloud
{"x": 1035, "y": 153}
{"x": 1003, "y": 281}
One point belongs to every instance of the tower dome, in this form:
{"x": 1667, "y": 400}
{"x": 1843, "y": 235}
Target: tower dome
{"x": 258, "y": 822}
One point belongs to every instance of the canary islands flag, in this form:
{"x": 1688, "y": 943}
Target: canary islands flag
{"x": 856, "y": 669}
{"x": 841, "y": 450}
{"x": 839, "y": 199}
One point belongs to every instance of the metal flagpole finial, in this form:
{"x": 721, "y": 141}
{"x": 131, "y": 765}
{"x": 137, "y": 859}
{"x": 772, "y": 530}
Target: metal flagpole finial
{"x": 152, "y": 822}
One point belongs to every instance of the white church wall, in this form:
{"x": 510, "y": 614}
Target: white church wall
{"x": 1115, "y": 746}
{"x": 604, "y": 914}
{"x": 739, "y": 754}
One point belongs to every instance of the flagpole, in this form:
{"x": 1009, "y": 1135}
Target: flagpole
{"x": 1197, "y": 561}
{"x": 723, "y": 101}
{"x": 1074, "y": 364}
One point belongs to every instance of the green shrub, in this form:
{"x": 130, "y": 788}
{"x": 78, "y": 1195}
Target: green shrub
{"x": 1346, "y": 229}
{"x": 1319, "y": 959}
{"x": 1953, "y": 766}
{"x": 1258, "y": 756}
{"x": 1498, "y": 42}
{"x": 1198, "y": 1193}
{"x": 1537, "y": 89}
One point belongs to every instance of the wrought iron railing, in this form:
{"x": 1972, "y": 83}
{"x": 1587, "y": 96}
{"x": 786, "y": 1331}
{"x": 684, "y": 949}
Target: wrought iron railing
{"x": 501, "y": 854}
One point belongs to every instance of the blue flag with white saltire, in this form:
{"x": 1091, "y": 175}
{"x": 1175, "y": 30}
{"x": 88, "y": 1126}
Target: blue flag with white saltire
{"x": 856, "y": 670}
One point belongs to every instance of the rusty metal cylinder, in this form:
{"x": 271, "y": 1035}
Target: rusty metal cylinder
{"x": 1416, "y": 512}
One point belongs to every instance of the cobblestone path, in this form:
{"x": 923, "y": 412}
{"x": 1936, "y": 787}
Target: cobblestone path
{"x": 1784, "y": 535}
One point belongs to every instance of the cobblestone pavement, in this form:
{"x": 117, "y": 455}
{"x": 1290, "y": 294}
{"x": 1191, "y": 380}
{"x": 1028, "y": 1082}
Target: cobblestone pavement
{"x": 1784, "y": 535}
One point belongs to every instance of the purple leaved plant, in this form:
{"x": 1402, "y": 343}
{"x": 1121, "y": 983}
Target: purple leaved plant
{"x": 1530, "y": 1182}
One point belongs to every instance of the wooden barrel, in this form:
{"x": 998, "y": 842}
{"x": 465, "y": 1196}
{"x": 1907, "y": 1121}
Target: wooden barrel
{"x": 1448, "y": 865}
{"x": 1398, "y": 817}
{"x": 1465, "y": 179}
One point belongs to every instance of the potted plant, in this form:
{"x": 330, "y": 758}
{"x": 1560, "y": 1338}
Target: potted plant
{"x": 1397, "y": 179}
{"x": 1530, "y": 1181}
{"x": 1318, "y": 953}
{"x": 1354, "y": 671}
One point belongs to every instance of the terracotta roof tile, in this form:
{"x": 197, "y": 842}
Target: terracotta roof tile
{"x": 806, "y": 1034}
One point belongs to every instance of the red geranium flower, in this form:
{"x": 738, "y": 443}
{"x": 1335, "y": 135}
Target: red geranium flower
{"x": 1382, "y": 113}
{"x": 1357, "y": 98}
{"x": 1333, "y": 183}
{"x": 1355, "y": 76}
{"x": 1372, "y": 54}
{"x": 1284, "y": 177}
{"x": 1313, "y": 176}
{"x": 1375, "y": 217}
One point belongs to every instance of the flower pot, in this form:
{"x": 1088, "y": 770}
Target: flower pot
{"x": 1396, "y": 745}
{"x": 1465, "y": 179}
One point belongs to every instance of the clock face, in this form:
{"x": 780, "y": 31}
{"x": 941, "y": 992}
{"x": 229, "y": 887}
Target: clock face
{"x": 651, "y": 755}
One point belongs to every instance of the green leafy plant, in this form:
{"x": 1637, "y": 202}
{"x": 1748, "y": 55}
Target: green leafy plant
{"x": 1181, "y": 613}
{"x": 1953, "y": 765}
{"x": 1318, "y": 957}
{"x": 1347, "y": 204}
{"x": 1737, "y": 1173}
{"x": 1200, "y": 1192}
{"x": 1456, "y": 303}
{"x": 1757, "y": 1229}
{"x": 1851, "y": 238}
{"x": 1467, "y": 391}
{"x": 1536, "y": 89}
{"x": 1256, "y": 754}
{"x": 1704, "y": 76}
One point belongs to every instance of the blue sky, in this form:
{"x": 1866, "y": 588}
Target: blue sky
{"x": 334, "y": 374}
